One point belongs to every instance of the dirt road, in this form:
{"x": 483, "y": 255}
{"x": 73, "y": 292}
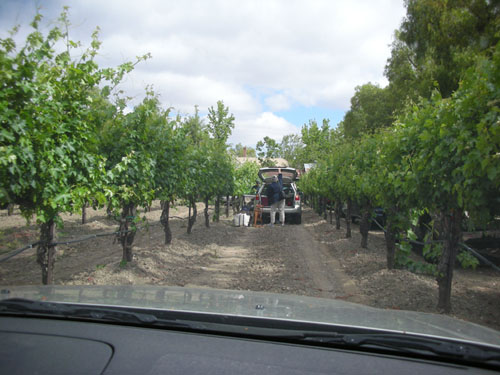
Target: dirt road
{"x": 311, "y": 259}
{"x": 281, "y": 259}
{"x": 278, "y": 259}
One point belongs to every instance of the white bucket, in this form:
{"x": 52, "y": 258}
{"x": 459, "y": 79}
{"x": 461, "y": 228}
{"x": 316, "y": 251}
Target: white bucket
{"x": 246, "y": 219}
{"x": 241, "y": 220}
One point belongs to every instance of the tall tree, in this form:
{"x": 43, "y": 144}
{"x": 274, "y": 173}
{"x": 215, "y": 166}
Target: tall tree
{"x": 439, "y": 41}
{"x": 194, "y": 127}
{"x": 267, "y": 150}
{"x": 316, "y": 140}
{"x": 291, "y": 149}
{"x": 370, "y": 110}
{"x": 220, "y": 122}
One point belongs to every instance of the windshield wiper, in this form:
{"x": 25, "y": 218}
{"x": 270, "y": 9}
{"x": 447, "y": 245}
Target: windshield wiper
{"x": 408, "y": 344}
{"x": 27, "y": 307}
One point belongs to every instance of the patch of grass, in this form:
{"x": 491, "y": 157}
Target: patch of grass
{"x": 100, "y": 266}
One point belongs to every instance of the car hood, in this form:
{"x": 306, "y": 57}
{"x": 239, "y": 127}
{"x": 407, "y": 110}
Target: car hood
{"x": 261, "y": 305}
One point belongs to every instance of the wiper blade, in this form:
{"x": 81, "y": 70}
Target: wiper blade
{"x": 410, "y": 344}
{"x": 394, "y": 342}
{"x": 25, "y": 307}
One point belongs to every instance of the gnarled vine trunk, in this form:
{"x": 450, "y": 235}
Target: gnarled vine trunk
{"x": 207, "y": 216}
{"x": 127, "y": 230}
{"x": 235, "y": 204}
{"x": 390, "y": 237}
{"x": 338, "y": 208}
{"x": 217, "y": 208}
{"x": 45, "y": 252}
{"x": 324, "y": 209}
{"x": 191, "y": 217}
{"x": 390, "y": 244}
{"x": 348, "y": 219}
{"x": 84, "y": 212}
{"x": 109, "y": 210}
{"x": 364, "y": 225}
{"x": 452, "y": 233}
{"x": 164, "y": 220}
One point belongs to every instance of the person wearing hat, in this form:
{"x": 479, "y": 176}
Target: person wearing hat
{"x": 276, "y": 198}
{"x": 256, "y": 186}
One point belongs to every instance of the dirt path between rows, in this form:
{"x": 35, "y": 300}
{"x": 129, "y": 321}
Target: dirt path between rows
{"x": 276, "y": 259}
{"x": 280, "y": 259}
{"x": 312, "y": 259}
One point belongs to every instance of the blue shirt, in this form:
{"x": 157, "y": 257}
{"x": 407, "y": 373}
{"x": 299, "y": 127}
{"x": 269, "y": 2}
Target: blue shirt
{"x": 273, "y": 190}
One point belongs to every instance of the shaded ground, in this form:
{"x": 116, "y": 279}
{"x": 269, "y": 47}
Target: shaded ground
{"x": 475, "y": 293}
{"x": 310, "y": 259}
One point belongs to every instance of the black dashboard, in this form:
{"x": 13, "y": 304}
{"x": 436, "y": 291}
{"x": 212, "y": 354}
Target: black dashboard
{"x": 52, "y": 346}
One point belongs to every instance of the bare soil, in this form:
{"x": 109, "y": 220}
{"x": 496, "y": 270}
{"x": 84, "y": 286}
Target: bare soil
{"x": 312, "y": 259}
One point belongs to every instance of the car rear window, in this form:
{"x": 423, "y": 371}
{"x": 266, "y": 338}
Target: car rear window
{"x": 286, "y": 175}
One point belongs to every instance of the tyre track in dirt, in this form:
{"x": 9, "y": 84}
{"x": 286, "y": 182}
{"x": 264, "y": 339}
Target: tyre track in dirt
{"x": 325, "y": 270}
{"x": 277, "y": 259}
{"x": 226, "y": 265}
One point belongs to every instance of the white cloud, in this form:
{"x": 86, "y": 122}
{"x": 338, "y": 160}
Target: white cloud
{"x": 262, "y": 55}
{"x": 183, "y": 92}
{"x": 278, "y": 102}
{"x": 252, "y": 130}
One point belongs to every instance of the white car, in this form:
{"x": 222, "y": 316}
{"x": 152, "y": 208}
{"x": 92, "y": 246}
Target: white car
{"x": 293, "y": 205}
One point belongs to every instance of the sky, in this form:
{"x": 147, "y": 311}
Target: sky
{"x": 276, "y": 64}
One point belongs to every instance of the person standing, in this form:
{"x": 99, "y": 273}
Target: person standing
{"x": 256, "y": 187}
{"x": 276, "y": 198}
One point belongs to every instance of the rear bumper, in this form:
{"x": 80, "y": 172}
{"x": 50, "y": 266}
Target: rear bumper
{"x": 288, "y": 210}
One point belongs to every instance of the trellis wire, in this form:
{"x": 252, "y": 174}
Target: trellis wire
{"x": 52, "y": 244}
{"x": 469, "y": 249}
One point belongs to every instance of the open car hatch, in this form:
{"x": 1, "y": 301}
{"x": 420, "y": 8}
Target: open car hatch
{"x": 289, "y": 174}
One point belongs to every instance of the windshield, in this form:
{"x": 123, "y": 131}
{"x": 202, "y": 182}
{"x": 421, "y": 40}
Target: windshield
{"x": 139, "y": 144}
